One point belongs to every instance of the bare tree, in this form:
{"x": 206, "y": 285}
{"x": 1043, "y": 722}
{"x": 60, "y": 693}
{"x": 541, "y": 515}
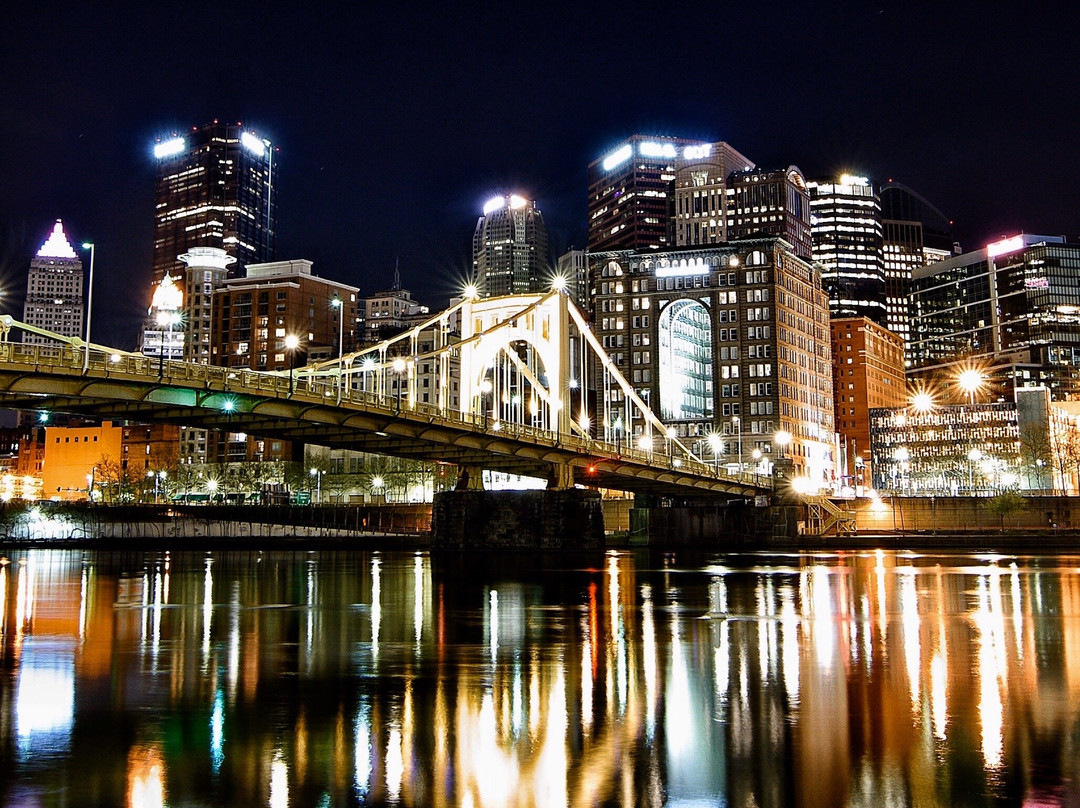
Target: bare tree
{"x": 1035, "y": 455}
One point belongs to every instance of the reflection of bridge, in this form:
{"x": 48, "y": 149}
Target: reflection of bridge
{"x": 508, "y": 391}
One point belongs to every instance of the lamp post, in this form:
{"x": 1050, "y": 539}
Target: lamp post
{"x": 738, "y": 436}
{"x": 89, "y": 245}
{"x": 317, "y": 474}
{"x": 756, "y": 454}
{"x": 971, "y": 381}
{"x": 715, "y": 444}
{"x": 670, "y": 435}
{"x": 339, "y": 304}
{"x": 782, "y": 439}
{"x": 167, "y": 301}
{"x": 485, "y": 390}
{"x": 292, "y": 342}
{"x": 399, "y": 366}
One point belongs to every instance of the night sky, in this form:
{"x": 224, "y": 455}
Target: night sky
{"x": 395, "y": 122}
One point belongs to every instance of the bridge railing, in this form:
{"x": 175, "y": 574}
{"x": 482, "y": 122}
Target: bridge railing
{"x": 324, "y": 389}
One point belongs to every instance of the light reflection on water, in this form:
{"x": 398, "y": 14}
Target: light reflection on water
{"x": 404, "y": 679}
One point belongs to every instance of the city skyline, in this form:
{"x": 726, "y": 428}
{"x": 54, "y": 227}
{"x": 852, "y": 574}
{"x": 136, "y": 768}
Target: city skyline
{"x": 389, "y": 131}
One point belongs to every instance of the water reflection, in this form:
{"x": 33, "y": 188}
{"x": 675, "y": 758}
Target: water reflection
{"x": 336, "y": 679}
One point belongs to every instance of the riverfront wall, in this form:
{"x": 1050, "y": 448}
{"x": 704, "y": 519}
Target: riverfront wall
{"x": 570, "y": 519}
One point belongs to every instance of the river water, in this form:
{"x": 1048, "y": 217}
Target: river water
{"x": 619, "y": 679}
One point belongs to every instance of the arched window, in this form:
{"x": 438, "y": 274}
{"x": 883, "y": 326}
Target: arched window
{"x": 684, "y": 337}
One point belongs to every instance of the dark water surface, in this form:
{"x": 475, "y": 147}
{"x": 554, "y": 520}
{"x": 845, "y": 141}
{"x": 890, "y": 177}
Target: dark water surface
{"x": 620, "y": 679}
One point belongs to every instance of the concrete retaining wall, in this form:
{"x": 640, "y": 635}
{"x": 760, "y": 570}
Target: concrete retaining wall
{"x": 572, "y": 519}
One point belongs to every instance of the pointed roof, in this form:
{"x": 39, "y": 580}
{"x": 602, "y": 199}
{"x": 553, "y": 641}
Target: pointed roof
{"x": 57, "y": 245}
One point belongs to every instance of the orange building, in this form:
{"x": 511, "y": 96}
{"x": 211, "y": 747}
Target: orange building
{"x": 868, "y": 372}
{"x": 75, "y": 455}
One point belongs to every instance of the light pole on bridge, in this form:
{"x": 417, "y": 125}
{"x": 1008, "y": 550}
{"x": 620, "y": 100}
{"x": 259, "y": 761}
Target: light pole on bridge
{"x": 292, "y": 342}
{"x": 88, "y": 245}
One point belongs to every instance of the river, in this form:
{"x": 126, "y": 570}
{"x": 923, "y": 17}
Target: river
{"x": 619, "y": 679}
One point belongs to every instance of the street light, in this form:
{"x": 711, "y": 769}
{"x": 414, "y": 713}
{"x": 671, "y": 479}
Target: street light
{"x": 339, "y": 304}
{"x": 738, "y": 432}
{"x": 922, "y": 401}
{"x": 399, "y": 367}
{"x": 756, "y": 454}
{"x": 167, "y": 301}
{"x": 715, "y": 443}
{"x": 971, "y": 381}
{"x": 782, "y": 439}
{"x": 317, "y": 474}
{"x": 89, "y": 245}
{"x": 292, "y": 342}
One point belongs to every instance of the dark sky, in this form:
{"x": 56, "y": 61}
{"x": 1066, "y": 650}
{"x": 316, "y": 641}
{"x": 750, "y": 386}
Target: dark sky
{"x": 395, "y": 122}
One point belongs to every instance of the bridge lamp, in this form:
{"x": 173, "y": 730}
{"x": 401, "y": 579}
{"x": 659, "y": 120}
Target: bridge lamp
{"x": 470, "y": 292}
{"x": 228, "y": 405}
{"x": 756, "y": 454}
{"x": 292, "y": 342}
{"x": 645, "y": 443}
{"x": 584, "y": 422}
{"x": 88, "y": 245}
{"x": 558, "y": 283}
{"x": 715, "y": 444}
{"x": 339, "y": 304}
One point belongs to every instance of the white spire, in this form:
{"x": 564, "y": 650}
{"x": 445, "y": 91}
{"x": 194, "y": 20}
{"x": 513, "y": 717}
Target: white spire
{"x": 57, "y": 245}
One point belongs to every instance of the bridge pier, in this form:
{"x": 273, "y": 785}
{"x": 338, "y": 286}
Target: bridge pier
{"x": 568, "y": 519}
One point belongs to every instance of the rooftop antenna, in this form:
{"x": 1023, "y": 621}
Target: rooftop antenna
{"x": 397, "y": 274}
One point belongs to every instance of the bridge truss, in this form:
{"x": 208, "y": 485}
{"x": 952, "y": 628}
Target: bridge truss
{"x": 517, "y": 384}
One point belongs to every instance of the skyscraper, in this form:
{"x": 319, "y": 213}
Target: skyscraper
{"x": 845, "y": 224}
{"x": 54, "y": 289}
{"x": 630, "y": 192}
{"x": 701, "y": 182}
{"x": 510, "y": 248}
{"x": 215, "y": 187}
{"x": 915, "y": 233}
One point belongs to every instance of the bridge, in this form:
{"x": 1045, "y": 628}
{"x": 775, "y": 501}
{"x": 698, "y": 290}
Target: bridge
{"x": 517, "y": 384}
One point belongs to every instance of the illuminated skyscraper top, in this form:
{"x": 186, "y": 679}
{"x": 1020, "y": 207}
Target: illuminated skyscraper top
{"x": 215, "y": 187}
{"x": 54, "y": 289}
{"x": 510, "y": 248}
{"x": 630, "y": 192}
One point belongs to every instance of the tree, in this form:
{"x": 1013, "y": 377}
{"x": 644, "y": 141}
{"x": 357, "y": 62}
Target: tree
{"x": 1035, "y": 454}
{"x": 1005, "y": 504}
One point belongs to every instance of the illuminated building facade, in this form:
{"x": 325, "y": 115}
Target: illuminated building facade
{"x": 914, "y": 234}
{"x": 728, "y": 344}
{"x": 965, "y": 449}
{"x": 868, "y": 373}
{"x": 573, "y": 268}
{"x": 253, "y": 316}
{"x": 700, "y": 192}
{"x": 79, "y": 457}
{"x": 1012, "y": 307}
{"x": 845, "y": 225}
{"x": 389, "y": 312}
{"x": 54, "y": 289}
{"x": 773, "y": 203}
{"x": 510, "y": 248}
{"x": 631, "y": 193}
{"x": 215, "y": 186}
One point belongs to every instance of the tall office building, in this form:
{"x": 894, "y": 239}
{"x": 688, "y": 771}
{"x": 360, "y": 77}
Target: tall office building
{"x": 631, "y": 192}
{"x": 914, "y": 234}
{"x": 54, "y": 289}
{"x": 770, "y": 203}
{"x": 1011, "y": 308}
{"x": 728, "y": 344}
{"x": 510, "y": 248}
{"x": 701, "y": 175}
{"x": 214, "y": 187}
{"x": 845, "y": 224}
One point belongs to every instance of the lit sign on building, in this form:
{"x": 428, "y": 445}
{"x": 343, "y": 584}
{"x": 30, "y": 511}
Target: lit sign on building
{"x": 168, "y": 148}
{"x": 1005, "y": 246}
{"x": 618, "y": 157}
{"x": 651, "y": 149}
{"x": 695, "y": 266}
{"x": 697, "y": 152}
{"x": 1036, "y": 283}
{"x": 253, "y": 144}
{"x": 851, "y": 179}
{"x": 514, "y": 202}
